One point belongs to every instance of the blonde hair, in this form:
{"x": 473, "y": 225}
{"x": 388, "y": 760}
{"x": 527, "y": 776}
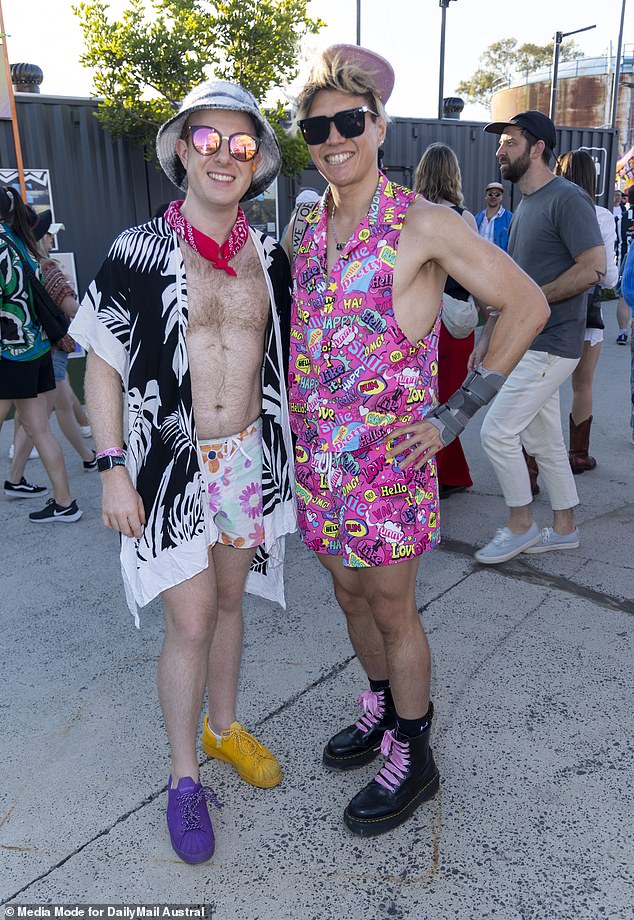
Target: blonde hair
{"x": 438, "y": 176}
{"x": 333, "y": 70}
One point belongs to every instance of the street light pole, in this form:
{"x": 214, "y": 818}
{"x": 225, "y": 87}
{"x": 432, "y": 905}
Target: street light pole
{"x": 14, "y": 114}
{"x": 553, "y": 83}
{"x": 559, "y": 37}
{"x": 441, "y": 70}
{"x": 617, "y": 72}
{"x": 358, "y": 22}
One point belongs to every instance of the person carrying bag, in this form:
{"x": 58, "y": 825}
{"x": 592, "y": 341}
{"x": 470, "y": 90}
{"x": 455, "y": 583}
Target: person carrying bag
{"x": 54, "y": 321}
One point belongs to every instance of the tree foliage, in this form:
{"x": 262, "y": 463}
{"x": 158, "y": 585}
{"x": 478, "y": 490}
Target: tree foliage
{"x": 147, "y": 61}
{"x": 504, "y": 59}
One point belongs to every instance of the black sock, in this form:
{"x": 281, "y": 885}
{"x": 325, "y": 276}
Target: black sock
{"x": 412, "y": 728}
{"x": 376, "y": 685}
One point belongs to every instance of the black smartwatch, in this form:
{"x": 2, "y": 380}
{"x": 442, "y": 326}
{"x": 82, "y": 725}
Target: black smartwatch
{"x": 109, "y": 463}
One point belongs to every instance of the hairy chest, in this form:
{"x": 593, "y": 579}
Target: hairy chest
{"x": 224, "y": 305}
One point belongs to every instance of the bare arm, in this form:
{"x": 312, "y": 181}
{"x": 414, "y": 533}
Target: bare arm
{"x": 482, "y": 345}
{"x": 122, "y": 507}
{"x": 493, "y": 278}
{"x": 470, "y": 220}
{"x": 287, "y": 242}
{"x": 69, "y": 305}
{"x": 589, "y": 269}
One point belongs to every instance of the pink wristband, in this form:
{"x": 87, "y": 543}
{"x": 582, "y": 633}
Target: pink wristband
{"x": 111, "y": 452}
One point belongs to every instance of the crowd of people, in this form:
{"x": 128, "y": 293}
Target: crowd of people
{"x": 238, "y": 389}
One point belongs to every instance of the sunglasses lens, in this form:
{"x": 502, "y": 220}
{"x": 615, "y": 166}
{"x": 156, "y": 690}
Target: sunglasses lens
{"x": 206, "y": 140}
{"x": 315, "y": 130}
{"x": 350, "y": 123}
{"x": 243, "y": 147}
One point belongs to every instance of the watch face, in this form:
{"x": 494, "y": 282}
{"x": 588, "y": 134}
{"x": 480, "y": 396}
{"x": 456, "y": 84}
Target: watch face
{"x": 108, "y": 463}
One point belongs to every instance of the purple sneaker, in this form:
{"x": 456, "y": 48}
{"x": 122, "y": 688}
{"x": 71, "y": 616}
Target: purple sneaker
{"x": 188, "y": 820}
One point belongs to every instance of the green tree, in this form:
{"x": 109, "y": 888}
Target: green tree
{"x": 148, "y": 60}
{"x": 504, "y": 59}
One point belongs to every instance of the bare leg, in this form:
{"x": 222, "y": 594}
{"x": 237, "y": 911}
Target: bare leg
{"x": 60, "y": 400}
{"x": 520, "y": 518}
{"x": 394, "y": 643}
{"x": 622, "y": 314}
{"x": 190, "y": 620}
{"x": 365, "y": 637}
{"x": 80, "y": 413}
{"x": 34, "y": 417}
{"x": 582, "y": 377}
{"x": 22, "y": 446}
{"x": 17, "y": 427}
{"x": 5, "y": 408}
{"x": 225, "y": 654}
{"x": 564, "y": 521}
{"x": 391, "y": 593}
{"x": 63, "y": 403}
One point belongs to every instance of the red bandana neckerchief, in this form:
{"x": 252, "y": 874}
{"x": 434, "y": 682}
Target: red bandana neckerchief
{"x": 219, "y": 256}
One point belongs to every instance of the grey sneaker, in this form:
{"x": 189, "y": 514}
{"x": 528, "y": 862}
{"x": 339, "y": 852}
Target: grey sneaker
{"x": 549, "y": 540}
{"x": 506, "y": 544}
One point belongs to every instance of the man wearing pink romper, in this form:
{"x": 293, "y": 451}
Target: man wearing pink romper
{"x": 368, "y": 275}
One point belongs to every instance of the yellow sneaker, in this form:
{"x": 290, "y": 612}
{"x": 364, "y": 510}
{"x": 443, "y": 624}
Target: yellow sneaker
{"x": 253, "y": 762}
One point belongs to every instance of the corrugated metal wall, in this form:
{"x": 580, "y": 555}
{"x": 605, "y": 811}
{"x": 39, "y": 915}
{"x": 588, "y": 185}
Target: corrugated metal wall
{"x": 100, "y": 186}
{"x": 406, "y": 141}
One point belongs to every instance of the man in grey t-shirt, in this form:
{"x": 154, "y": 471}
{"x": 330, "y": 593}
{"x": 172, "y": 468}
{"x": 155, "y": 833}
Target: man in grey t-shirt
{"x": 555, "y": 238}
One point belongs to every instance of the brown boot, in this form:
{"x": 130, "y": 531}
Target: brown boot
{"x": 580, "y": 459}
{"x": 533, "y": 472}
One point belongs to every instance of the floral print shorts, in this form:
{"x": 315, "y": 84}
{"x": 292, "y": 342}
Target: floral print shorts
{"x": 233, "y": 470}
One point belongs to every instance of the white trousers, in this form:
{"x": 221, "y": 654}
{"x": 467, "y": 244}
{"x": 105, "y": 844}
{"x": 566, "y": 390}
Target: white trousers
{"x": 526, "y": 413}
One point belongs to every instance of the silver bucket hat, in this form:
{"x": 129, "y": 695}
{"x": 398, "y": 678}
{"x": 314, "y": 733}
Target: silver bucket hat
{"x": 220, "y": 94}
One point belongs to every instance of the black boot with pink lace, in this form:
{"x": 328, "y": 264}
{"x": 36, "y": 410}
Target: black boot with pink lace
{"x": 359, "y": 743}
{"x": 408, "y": 778}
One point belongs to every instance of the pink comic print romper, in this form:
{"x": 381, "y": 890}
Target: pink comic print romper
{"x": 353, "y": 376}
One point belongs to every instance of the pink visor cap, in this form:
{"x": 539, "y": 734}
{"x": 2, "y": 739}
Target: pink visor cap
{"x": 377, "y": 67}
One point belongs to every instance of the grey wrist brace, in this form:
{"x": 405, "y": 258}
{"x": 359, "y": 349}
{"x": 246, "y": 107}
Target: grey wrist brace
{"x": 478, "y": 390}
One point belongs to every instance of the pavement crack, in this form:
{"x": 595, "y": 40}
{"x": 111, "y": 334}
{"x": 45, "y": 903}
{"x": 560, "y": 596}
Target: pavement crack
{"x": 322, "y": 679}
{"x": 6, "y": 817}
{"x": 447, "y": 590}
{"x": 518, "y": 570}
{"x": 103, "y": 833}
{"x": 491, "y": 653}
{"x": 627, "y": 509}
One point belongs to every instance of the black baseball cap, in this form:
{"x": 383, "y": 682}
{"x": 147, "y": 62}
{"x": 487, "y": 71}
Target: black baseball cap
{"x": 538, "y": 124}
{"x": 40, "y": 223}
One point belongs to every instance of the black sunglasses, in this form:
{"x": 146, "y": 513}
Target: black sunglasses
{"x": 349, "y": 123}
{"x": 207, "y": 141}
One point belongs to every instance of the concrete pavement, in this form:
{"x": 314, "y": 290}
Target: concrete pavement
{"x": 533, "y": 735}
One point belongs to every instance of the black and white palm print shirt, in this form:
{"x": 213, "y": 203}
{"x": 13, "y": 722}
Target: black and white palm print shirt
{"x": 134, "y": 316}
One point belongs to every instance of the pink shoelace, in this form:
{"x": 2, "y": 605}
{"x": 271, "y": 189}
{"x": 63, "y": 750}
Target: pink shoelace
{"x": 373, "y": 705}
{"x": 394, "y": 769}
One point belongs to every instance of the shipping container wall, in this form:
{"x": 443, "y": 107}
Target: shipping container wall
{"x": 100, "y": 186}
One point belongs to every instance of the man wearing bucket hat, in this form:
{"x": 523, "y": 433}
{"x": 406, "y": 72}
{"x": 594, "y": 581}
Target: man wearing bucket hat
{"x": 188, "y": 311}
{"x": 368, "y": 277}
{"x": 555, "y": 238}
{"x": 494, "y": 220}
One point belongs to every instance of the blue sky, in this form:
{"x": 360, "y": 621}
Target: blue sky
{"x": 406, "y": 32}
